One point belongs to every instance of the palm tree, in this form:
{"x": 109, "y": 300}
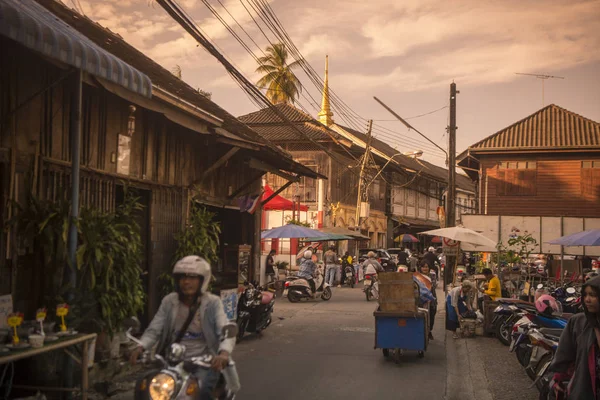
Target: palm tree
{"x": 279, "y": 80}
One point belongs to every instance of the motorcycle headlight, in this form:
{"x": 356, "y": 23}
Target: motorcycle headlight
{"x": 162, "y": 387}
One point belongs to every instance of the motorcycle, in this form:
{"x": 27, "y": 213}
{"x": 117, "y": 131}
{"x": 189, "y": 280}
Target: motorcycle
{"x": 544, "y": 342}
{"x": 176, "y": 379}
{"x": 505, "y": 315}
{"x": 299, "y": 288}
{"x": 371, "y": 287}
{"x": 350, "y": 278}
{"x": 255, "y": 310}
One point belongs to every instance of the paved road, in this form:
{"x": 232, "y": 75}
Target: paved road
{"x": 324, "y": 350}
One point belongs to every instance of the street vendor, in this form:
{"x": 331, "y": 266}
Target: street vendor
{"x": 492, "y": 288}
{"x": 457, "y": 304}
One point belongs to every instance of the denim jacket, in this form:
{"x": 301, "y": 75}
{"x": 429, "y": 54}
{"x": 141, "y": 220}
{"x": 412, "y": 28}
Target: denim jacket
{"x": 213, "y": 317}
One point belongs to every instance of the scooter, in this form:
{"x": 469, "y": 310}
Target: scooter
{"x": 176, "y": 379}
{"x": 371, "y": 287}
{"x": 299, "y": 289}
{"x": 544, "y": 342}
{"x": 255, "y": 309}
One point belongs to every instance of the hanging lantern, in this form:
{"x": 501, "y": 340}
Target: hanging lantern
{"x": 131, "y": 121}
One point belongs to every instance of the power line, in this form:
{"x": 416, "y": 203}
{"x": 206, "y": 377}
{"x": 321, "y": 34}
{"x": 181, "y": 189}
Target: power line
{"x": 416, "y": 116}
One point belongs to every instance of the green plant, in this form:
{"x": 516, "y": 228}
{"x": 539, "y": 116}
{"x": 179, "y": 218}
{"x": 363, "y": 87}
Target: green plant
{"x": 279, "y": 79}
{"x": 298, "y": 222}
{"x": 108, "y": 261}
{"x": 41, "y": 228}
{"x": 199, "y": 237}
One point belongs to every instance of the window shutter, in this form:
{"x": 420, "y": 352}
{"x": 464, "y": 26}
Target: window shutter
{"x": 587, "y": 182}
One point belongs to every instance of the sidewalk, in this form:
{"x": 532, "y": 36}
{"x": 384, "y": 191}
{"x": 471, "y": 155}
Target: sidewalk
{"x": 482, "y": 368}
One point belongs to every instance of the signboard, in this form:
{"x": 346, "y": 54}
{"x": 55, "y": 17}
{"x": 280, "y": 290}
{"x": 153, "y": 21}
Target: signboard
{"x": 230, "y": 299}
{"x": 6, "y": 308}
{"x": 450, "y": 247}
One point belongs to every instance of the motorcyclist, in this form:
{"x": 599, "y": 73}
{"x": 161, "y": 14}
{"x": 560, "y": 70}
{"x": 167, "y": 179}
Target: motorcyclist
{"x": 192, "y": 276}
{"x": 371, "y": 266}
{"x": 431, "y": 259}
{"x": 307, "y": 270}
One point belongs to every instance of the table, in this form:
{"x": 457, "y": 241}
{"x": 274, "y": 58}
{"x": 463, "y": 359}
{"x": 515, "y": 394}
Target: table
{"x": 62, "y": 343}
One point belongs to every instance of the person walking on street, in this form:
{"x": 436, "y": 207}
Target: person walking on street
{"x": 457, "y": 303}
{"x": 270, "y": 270}
{"x": 432, "y": 304}
{"x": 330, "y": 265}
{"x": 576, "y": 362}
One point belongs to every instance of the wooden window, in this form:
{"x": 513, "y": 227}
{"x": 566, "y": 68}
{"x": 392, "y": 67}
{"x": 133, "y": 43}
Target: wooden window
{"x": 516, "y": 178}
{"x": 590, "y": 179}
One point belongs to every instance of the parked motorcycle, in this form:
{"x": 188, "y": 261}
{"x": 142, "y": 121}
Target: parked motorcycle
{"x": 299, "y": 288}
{"x": 176, "y": 379}
{"x": 544, "y": 342}
{"x": 371, "y": 287}
{"x": 255, "y": 310}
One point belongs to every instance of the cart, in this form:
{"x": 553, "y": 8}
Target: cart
{"x": 399, "y": 331}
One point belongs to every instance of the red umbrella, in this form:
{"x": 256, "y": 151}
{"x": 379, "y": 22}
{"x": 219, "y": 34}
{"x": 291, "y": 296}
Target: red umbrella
{"x": 436, "y": 239}
{"x": 280, "y": 203}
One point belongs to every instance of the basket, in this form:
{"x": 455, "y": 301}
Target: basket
{"x": 397, "y": 292}
{"x": 467, "y": 327}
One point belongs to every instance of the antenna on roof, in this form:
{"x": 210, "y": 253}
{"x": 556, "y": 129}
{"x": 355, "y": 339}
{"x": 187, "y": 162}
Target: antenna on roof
{"x": 543, "y": 78}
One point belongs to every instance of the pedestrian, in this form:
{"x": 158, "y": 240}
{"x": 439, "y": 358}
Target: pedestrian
{"x": 403, "y": 257}
{"x": 458, "y": 303}
{"x": 577, "y": 359}
{"x": 270, "y": 270}
{"x": 493, "y": 289}
{"x": 432, "y": 304}
{"x": 330, "y": 265}
{"x": 431, "y": 259}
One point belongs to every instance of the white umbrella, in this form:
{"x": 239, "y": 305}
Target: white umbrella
{"x": 463, "y": 235}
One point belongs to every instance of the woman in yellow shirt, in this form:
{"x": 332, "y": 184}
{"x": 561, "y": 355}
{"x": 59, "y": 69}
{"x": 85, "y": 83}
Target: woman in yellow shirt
{"x": 494, "y": 289}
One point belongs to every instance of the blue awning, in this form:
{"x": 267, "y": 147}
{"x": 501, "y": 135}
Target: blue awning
{"x": 33, "y": 26}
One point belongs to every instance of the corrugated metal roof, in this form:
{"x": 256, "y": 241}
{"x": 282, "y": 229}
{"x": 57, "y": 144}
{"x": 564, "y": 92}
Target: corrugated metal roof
{"x": 271, "y": 127}
{"x": 551, "y": 128}
{"x": 267, "y": 116}
{"x": 114, "y": 44}
{"x": 277, "y": 133}
{"x": 35, "y": 27}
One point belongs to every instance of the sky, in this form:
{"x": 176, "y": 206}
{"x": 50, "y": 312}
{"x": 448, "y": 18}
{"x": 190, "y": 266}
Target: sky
{"x": 405, "y": 52}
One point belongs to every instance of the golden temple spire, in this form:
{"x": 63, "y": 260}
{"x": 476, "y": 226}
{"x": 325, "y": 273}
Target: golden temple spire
{"x": 325, "y": 115}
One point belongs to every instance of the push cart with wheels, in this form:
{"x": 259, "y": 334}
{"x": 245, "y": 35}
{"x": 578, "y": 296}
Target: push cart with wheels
{"x": 396, "y": 332}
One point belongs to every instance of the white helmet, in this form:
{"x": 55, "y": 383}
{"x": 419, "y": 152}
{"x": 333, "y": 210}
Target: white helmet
{"x": 431, "y": 249}
{"x": 308, "y": 254}
{"x": 195, "y": 266}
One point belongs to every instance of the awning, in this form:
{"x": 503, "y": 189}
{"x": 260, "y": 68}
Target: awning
{"x": 280, "y": 203}
{"x": 33, "y": 26}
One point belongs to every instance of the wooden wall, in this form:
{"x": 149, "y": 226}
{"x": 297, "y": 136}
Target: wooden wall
{"x": 558, "y": 188}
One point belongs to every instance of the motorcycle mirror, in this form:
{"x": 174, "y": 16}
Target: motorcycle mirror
{"x": 229, "y": 331}
{"x": 571, "y": 290}
{"x": 540, "y": 286}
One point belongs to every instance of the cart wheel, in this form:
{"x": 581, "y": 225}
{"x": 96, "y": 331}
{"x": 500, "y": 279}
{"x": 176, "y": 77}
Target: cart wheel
{"x": 386, "y": 353}
{"x": 421, "y": 354}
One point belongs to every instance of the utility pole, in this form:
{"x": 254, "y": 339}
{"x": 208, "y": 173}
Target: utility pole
{"x": 451, "y": 192}
{"x": 363, "y": 166}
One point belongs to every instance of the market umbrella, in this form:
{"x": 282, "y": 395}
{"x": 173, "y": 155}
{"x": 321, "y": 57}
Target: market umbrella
{"x": 330, "y": 236}
{"x": 340, "y": 230}
{"x": 436, "y": 239}
{"x": 461, "y": 234}
{"x": 585, "y": 238}
{"x": 291, "y": 231}
{"x": 406, "y": 238}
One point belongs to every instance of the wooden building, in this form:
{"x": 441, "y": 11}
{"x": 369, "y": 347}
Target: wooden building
{"x": 140, "y": 126}
{"x": 547, "y": 164}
